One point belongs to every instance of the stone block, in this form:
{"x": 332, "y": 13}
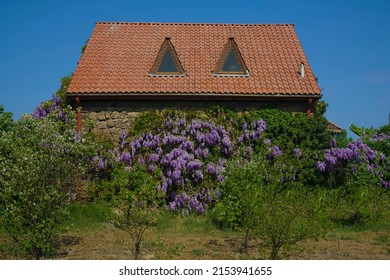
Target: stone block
{"x": 116, "y": 115}
{"x": 93, "y": 116}
{"x": 101, "y": 125}
{"x": 110, "y": 124}
{"x": 101, "y": 116}
{"x": 132, "y": 115}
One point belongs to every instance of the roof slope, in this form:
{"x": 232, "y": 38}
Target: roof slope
{"x": 119, "y": 57}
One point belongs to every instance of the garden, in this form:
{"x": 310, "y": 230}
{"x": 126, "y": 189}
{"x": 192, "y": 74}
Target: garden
{"x": 221, "y": 184}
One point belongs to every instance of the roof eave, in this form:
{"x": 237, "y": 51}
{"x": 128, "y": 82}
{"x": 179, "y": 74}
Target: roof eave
{"x": 190, "y": 96}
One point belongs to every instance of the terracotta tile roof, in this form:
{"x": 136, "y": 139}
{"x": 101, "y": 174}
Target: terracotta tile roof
{"x": 119, "y": 57}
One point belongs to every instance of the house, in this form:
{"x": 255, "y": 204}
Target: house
{"x": 334, "y": 128}
{"x": 128, "y": 68}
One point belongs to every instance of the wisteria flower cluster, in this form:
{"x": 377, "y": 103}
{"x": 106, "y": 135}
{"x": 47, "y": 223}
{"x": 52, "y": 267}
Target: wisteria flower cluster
{"x": 356, "y": 153}
{"x": 45, "y": 108}
{"x": 380, "y": 137}
{"x": 190, "y": 154}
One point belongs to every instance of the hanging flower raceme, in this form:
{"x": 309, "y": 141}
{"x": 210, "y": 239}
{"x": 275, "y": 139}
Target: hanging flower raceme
{"x": 274, "y": 152}
{"x": 297, "y": 153}
{"x": 380, "y": 137}
{"x": 53, "y": 105}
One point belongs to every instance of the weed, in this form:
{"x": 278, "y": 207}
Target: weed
{"x": 175, "y": 250}
{"x": 198, "y": 252}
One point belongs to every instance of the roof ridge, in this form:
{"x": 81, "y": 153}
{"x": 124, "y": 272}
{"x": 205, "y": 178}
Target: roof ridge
{"x": 196, "y": 23}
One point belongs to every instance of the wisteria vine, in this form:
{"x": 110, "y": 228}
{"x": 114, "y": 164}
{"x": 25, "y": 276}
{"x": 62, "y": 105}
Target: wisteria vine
{"x": 356, "y": 153}
{"x": 191, "y": 155}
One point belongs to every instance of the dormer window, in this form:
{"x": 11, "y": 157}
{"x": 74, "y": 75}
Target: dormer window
{"x": 167, "y": 62}
{"x": 231, "y": 61}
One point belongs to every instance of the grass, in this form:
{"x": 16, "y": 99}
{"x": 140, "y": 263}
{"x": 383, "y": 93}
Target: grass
{"x": 91, "y": 236}
{"x": 87, "y": 217}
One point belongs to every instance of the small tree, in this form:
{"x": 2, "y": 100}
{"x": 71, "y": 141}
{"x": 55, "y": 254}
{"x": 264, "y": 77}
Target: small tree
{"x": 285, "y": 218}
{"x": 239, "y": 206}
{"x": 138, "y": 202}
{"x": 262, "y": 198}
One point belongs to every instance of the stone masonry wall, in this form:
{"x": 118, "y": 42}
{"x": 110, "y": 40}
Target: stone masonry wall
{"x": 111, "y": 123}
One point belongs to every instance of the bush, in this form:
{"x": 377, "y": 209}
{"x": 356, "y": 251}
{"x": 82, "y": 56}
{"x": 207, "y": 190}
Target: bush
{"x": 41, "y": 160}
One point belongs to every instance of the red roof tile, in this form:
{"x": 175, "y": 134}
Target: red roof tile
{"x": 119, "y": 57}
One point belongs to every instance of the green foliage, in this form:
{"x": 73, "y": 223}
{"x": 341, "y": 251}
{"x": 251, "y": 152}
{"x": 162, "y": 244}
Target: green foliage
{"x": 240, "y": 204}
{"x": 286, "y": 219}
{"x": 138, "y": 203}
{"x": 5, "y": 120}
{"x": 342, "y": 139}
{"x": 385, "y": 129}
{"x": 84, "y": 46}
{"x": 320, "y": 108}
{"x": 285, "y": 129}
{"x": 358, "y": 201}
{"x": 221, "y": 113}
{"x": 65, "y": 82}
{"x": 40, "y": 162}
{"x": 364, "y": 133}
{"x": 278, "y": 199}
{"x": 263, "y": 198}
{"x": 289, "y": 130}
{"x": 147, "y": 121}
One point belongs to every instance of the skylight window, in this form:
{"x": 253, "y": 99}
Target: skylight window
{"x": 167, "y": 62}
{"x": 231, "y": 61}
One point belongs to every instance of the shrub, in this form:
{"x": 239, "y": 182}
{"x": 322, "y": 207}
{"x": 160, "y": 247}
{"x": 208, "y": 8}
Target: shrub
{"x": 40, "y": 161}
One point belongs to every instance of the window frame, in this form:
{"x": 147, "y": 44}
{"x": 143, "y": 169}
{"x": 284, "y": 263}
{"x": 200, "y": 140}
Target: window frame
{"x": 231, "y": 46}
{"x": 167, "y": 46}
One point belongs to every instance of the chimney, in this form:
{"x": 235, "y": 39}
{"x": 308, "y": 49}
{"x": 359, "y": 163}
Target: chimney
{"x": 302, "y": 71}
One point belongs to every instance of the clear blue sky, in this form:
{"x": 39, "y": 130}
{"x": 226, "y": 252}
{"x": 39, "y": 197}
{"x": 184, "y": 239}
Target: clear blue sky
{"x": 347, "y": 44}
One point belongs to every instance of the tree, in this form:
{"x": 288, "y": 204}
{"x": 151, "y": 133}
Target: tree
{"x": 5, "y": 119}
{"x": 40, "y": 161}
{"x": 138, "y": 203}
{"x": 263, "y": 199}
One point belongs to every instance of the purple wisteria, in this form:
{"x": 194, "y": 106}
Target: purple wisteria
{"x": 274, "y": 152}
{"x": 189, "y": 154}
{"x": 45, "y": 108}
{"x": 297, "y": 153}
{"x": 380, "y": 137}
{"x": 356, "y": 153}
